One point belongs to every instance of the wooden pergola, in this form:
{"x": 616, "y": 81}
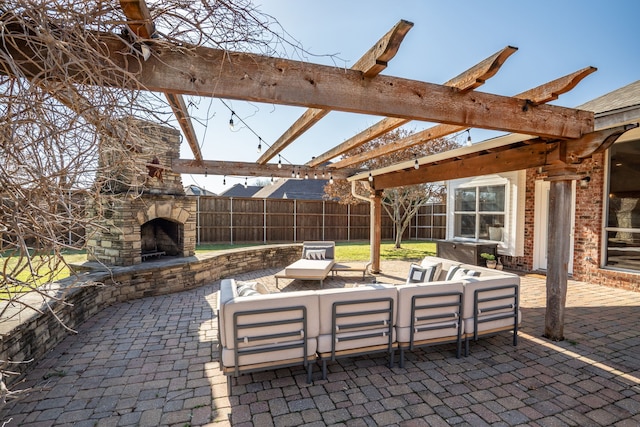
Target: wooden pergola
{"x": 557, "y": 138}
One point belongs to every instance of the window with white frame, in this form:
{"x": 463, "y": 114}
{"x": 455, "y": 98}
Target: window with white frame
{"x": 479, "y": 212}
{"x": 623, "y": 216}
{"x": 488, "y": 208}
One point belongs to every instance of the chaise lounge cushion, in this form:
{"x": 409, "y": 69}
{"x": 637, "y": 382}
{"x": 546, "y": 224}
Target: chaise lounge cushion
{"x": 309, "y": 268}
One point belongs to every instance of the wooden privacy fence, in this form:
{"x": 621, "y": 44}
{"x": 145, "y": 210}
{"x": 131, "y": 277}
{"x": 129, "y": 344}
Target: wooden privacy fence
{"x": 249, "y": 220}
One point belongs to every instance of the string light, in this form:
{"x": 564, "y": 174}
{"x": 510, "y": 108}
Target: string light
{"x": 205, "y": 172}
{"x": 416, "y": 165}
{"x": 315, "y": 175}
{"x": 224, "y": 180}
{"x": 260, "y": 140}
{"x": 330, "y": 178}
{"x": 272, "y": 179}
{"x": 245, "y": 183}
{"x": 469, "y": 137}
{"x": 298, "y": 174}
{"x": 231, "y": 125}
{"x": 293, "y": 173}
{"x": 370, "y": 177}
{"x": 306, "y": 175}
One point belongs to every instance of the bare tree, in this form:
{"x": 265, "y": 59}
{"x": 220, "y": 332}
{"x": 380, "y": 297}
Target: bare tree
{"x": 400, "y": 203}
{"x": 61, "y": 95}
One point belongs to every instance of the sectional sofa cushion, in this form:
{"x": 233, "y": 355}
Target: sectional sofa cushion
{"x": 364, "y": 301}
{"x": 445, "y": 266}
{"x": 505, "y": 299}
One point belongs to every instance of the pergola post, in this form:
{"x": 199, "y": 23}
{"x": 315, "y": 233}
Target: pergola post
{"x": 375, "y": 229}
{"x": 559, "y": 239}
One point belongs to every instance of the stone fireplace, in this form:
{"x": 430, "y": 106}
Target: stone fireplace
{"x": 139, "y": 211}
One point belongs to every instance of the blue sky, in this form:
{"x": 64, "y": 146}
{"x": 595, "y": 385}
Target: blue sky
{"x": 554, "y": 38}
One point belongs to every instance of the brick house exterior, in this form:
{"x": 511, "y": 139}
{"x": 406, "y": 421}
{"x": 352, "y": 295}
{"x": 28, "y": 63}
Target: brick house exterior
{"x": 591, "y": 200}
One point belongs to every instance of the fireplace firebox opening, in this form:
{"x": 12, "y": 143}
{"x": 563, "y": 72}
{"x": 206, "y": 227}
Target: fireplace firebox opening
{"x": 161, "y": 237}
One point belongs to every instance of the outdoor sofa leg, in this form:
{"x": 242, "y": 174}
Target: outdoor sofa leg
{"x": 466, "y": 347}
{"x": 391, "y": 357}
{"x": 229, "y": 385}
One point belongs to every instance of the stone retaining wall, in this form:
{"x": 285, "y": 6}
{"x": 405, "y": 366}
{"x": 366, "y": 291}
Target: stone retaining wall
{"x": 40, "y": 333}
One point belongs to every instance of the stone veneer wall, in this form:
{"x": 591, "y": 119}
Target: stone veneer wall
{"x": 33, "y": 338}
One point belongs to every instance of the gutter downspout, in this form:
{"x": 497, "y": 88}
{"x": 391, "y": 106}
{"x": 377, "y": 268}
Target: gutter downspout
{"x": 372, "y": 253}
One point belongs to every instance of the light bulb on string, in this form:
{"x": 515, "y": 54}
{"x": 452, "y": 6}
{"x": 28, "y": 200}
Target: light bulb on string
{"x": 224, "y": 180}
{"x": 231, "y": 125}
{"x": 416, "y": 164}
{"x": 279, "y": 162}
{"x": 259, "y": 145}
{"x": 469, "y": 137}
{"x": 205, "y": 173}
{"x": 315, "y": 175}
{"x": 272, "y": 179}
{"x": 370, "y": 177}
{"x": 293, "y": 173}
{"x": 306, "y": 175}
{"x": 330, "y": 178}
{"x": 245, "y": 183}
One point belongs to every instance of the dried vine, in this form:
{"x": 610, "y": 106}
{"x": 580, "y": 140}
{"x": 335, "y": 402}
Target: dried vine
{"x": 61, "y": 96}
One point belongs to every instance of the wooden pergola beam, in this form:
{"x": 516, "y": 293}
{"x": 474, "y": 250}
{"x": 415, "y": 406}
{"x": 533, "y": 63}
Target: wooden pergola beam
{"x": 231, "y": 168}
{"x": 536, "y": 96}
{"x": 140, "y": 22}
{"x": 224, "y": 74}
{"x": 462, "y": 163}
{"x": 468, "y": 80}
{"x": 371, "y": 64}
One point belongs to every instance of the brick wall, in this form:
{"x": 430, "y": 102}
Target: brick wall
{"x": 588, "y": 229}
{"x": 37, "y": 335}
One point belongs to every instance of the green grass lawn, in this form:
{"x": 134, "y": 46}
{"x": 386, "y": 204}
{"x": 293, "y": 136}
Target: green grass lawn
{"x": 49, "y": 271}
{"x": 358, "y": 251}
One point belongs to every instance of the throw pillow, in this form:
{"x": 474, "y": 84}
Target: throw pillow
{"x": 246, "y": 289}
{"x": 315, "y": 254}
{"x": 418, "y": 274}
{"x": 262, "y": 288}
{"x": 437, "y": 266}
{"x": 457, "y": 272}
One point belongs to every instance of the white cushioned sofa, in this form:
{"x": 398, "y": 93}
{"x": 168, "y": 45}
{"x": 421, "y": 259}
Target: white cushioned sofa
{"x": 461, "y": 303}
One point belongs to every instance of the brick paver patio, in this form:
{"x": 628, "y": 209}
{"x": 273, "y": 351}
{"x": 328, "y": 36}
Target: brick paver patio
{"x": 153, "y": 362}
